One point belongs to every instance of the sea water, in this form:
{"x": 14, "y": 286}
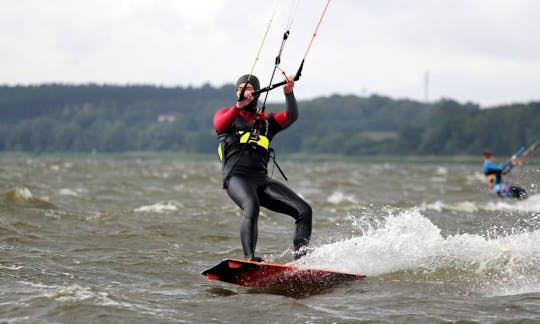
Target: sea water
{"x": 125, "y": 240}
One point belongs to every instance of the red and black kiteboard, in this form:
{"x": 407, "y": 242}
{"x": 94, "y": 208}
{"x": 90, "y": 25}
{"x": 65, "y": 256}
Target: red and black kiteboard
{"x": 278, "y": 278}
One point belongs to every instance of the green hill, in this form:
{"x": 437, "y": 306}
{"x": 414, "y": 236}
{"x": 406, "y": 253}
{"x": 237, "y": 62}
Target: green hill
{"x": 112, "y": 118}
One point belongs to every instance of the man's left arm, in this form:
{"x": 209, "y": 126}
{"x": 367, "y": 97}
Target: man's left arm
{"x": 290, "y": 115}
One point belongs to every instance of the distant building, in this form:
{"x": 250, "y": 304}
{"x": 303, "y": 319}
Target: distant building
{"x": 170, "y": 117}
{"x": 88, "y": 107}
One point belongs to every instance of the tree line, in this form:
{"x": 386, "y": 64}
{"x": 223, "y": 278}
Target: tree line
{"x": 112, "y": 118}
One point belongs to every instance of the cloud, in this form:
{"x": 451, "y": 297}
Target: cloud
{"x": 480, "y": 51}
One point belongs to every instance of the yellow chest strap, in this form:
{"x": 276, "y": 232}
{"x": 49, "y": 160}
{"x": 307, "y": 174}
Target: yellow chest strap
{"x": 261, "y": 140}
{"x": 245, "y": 137}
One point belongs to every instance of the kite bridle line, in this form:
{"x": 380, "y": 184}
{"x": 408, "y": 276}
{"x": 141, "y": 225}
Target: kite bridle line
{"x": 276, "y": 66}
{"x": 278, "y": 57}
{"x": 299, "y": 72}
{"x": 242, "y": 93}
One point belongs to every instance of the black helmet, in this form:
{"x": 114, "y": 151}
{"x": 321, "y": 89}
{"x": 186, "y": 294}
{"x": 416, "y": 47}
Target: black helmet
{"x": 254, "y": 81}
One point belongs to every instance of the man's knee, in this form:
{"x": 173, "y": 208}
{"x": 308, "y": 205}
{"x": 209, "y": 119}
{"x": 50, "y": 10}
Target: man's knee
{"x": 251, "y": 208}
{"x": 305, "y": 213}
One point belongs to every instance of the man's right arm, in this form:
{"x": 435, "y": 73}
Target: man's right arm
{"x": 224, "y": 118}
{"x": 506, "y": 167}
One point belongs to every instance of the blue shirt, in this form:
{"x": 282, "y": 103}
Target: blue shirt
{"x": 490, "y": 167}
{"x": 493, "y": 171}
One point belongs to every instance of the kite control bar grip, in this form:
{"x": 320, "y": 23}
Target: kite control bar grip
{"x": 275, "y": 85}
{"x": 271, "y": 87}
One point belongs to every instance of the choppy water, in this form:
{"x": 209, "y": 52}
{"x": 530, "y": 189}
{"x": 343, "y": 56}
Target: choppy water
{"x": 124, "y": 241}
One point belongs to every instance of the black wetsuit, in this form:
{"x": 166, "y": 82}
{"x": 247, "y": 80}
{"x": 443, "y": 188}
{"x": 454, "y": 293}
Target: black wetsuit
{"x": 245, "y": 158}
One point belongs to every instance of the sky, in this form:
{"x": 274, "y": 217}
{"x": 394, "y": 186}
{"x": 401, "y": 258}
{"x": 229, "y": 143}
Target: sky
{"x": 482, "y": 51}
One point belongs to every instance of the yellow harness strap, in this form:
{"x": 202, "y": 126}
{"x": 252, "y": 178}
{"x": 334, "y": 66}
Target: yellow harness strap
{"x": 262, "y": 141}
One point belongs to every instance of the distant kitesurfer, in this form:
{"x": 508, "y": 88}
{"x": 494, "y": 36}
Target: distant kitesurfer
{"x": 244, "y": 136}
{"x": 494, "y": 173}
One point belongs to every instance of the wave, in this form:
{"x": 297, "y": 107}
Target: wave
{"x": 75, "y": 293}
{"x": 408, "y": 245}
{"x": 531, "y": 204}
{"x": 68, "y": 192}
{"x": 22, "y": 197}
{"x": 160, "y": 207}
{"x": 339, "y": 197}
{"x": 64, "y": 298}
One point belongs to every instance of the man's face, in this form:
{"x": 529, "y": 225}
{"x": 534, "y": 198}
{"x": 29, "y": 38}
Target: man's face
{"x": 249, "y": 89}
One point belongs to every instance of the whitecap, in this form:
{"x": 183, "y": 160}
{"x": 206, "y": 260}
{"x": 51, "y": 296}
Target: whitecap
{"x": 160, "y": 207}
{"x": 339, "y": 197}
{"x": 68, "y": 192}
{"x": 11, "y": 267}
{"x": 531, "y": 204}
{"x": 463, "y": 206}
{"x": 76, "y": 293}
{"x": 21, "y": 193}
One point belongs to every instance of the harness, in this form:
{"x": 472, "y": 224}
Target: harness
{"x": 242, "y": 139}
{"x": 494, "y": 179}
{"x": 256, "y": 143}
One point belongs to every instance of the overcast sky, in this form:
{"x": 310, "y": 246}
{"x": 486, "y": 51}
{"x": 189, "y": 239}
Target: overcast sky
{"x": 484, "y": 51}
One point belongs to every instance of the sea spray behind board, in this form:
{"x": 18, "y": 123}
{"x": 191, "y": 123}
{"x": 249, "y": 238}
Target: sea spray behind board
{"x": 407, "y": 246}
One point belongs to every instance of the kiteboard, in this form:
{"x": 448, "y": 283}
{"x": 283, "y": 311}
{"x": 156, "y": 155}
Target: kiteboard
{"x": 285, "y": 279}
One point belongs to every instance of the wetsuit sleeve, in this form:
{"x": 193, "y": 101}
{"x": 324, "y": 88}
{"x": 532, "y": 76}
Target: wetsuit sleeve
{"x": 224, "y": 118}
{"x": 490, "y": 167}
{"x": 506, "y": 167}
{"x": 286, "y": 117}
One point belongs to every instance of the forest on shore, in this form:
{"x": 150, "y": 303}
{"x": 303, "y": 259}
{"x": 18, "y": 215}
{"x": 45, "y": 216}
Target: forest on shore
{"x": 52, "y": 118}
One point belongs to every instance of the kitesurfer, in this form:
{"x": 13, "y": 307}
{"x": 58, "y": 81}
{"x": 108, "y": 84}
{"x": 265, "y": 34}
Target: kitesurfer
{"x": 494, "y": 173}
{"x": 244, "y": 136}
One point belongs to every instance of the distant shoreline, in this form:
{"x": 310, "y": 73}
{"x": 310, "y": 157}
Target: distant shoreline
{"x": 294, "y": 157}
